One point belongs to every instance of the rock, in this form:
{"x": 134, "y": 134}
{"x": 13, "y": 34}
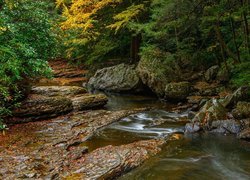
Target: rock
{"x": 191, "y": 115}
{"x": 212, "y": 110}
{"x": 223, "y": 75}
{"x": 206, "y": 89}
{"x": 194, "y": 99}
{"x": 58, "y": 90}
{"x": 37, "y": 107}
{"x": 192, "y": 127}
{"x": 111, "y": 161}
{"x": 89, "y": 101}
{"x": 200, "y": 116}
{"x": 177, "y": 91}
{"x": 241, "y": 94}
{"x": 119, "y": 78}
{"x": 245, "y": 123}
{"x": 242, "y": 110}
{"x": 49, "y": 147}
{"x": 245, "y": 134}
{"x": 155, "y": 74}
{"x": 211, "y": 73}
{"x": 226, "y": 126}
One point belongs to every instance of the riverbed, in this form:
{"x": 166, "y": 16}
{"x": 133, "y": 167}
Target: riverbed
{"x": 193, "y": 156}
{"x": 41, "y": 148}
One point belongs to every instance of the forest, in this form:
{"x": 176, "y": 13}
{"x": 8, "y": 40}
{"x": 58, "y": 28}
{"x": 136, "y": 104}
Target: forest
{"x": 170, "y": 44}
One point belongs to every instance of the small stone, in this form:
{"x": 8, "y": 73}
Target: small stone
{"x": 192, "y": 127}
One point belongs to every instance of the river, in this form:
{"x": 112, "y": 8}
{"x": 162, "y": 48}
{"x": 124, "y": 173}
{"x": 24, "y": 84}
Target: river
{"x": 193, "y": 156}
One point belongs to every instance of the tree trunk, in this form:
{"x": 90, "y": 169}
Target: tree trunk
{"x": 244, "y": 16}
{"x": 222, "y": 42}
{"x": 135, "y": 48}
{"x": 234, "y": 39}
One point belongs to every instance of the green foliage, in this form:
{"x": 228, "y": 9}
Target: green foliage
{"x": 27, "y": 41}
{"x": 241, "y": 75}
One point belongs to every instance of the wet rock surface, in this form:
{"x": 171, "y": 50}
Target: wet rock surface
{"x": 46, "y": 149}
{"x": 226, "y": 126}
{"x": 111, "y": 161}
{"x": 119, "y": 78}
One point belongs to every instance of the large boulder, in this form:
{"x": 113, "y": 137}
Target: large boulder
{"x": 154, "y": 74}
{"x": 242, "y": 110}
{"x": 119, "y": 78}
{"x": 177, "y": 91}
{"x": 37, "y": 107}
{"x": 205, "y": 119}
{"x": 89, "y": 101}
{"x": 241, "y": 94}
{"x": 211, "y": 73}
{"x": 58, "y": 90}
{"x": 211, "y": 111}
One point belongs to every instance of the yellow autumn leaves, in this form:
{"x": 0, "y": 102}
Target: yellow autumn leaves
{"x": 83, "y": 14}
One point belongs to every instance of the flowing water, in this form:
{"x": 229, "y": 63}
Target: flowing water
{"x": 197, "y": 156}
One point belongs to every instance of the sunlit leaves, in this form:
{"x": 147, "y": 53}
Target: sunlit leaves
{"x": 123, "y": 18}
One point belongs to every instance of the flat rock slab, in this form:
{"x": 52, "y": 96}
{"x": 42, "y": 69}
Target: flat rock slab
{"x": 58, "y": 90}
{"x": 37, "y": 107}
{"x": 111, "y": 161}
{"x": 46, "y": 149}
{"x": 88, "y": 101}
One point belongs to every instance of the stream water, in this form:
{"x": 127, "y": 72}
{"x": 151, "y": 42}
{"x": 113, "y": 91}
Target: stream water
{"x": 197, "y": 156}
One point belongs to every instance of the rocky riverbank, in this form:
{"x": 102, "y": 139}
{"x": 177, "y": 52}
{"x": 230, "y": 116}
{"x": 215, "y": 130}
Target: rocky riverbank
{"x": 47, "y": 139}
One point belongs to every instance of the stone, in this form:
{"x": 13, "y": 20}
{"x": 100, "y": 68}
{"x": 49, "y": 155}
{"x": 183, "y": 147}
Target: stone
{"x": 37, "y": 107}
{"x": 194, "y": 99}
{"x": 89, "y": 101}
{"x": 206, "y": 89}
{"x": 154, "y": 74}
{"x": 223, "y": 75}
{"x": 192, "y": 127}
{"x": 48, "y": 148}
{"x": 242, "y": 110}
{"x": 226, "y": 126}
{"x": 58, "y": 90}
{"x": 212, "y": 110}
{"x": 177, "y": 91}
{"x": 241, "y": 94}
{"x": 112, "y": 161}
{"x": 119, "y": 78}
{"x": 245, "y": 134}
{"x": 211, "y": 73}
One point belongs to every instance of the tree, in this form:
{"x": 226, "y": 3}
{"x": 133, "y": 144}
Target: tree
{"x": 99, "y": 27}
{"x": 27, "y": 42}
